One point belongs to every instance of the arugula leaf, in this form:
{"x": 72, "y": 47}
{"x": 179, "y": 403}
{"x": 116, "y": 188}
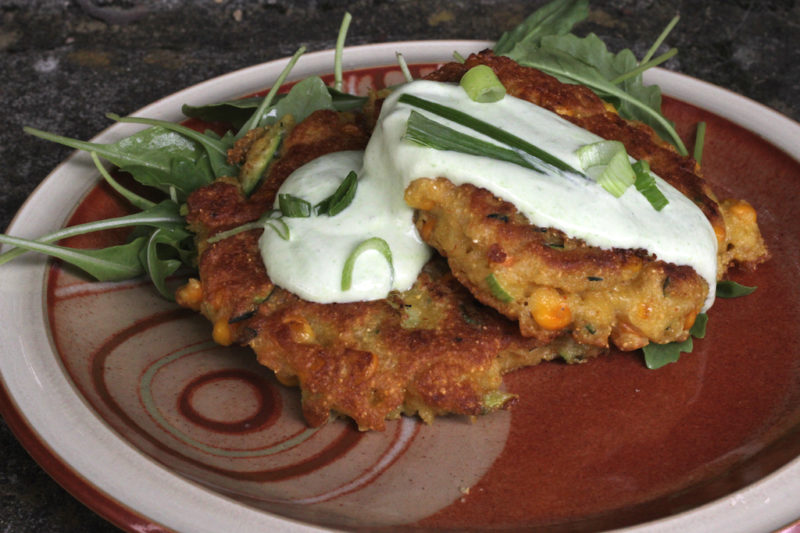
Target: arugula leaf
{"x": 164, "y": 214}
{"x": 542, "y": 41}
{"x": 569, "y": 69}
{"x": 556, "y": 18}
{"x": 216, "y": 147}
{"x": 236, "y": 112}
{"x": 156, "y": 157}
{"x": 166, "y": 250}
{"x": 632, "y": 98}
{"x": 233, "y": 112}
{"x": 658, "y": 355}
{"x": 731, "y": 289}
{"x": 132, "y": 197}
{"x": 304, "y": 98}
{"x": 698, "y": 330}
{"x": 115, "y": 263}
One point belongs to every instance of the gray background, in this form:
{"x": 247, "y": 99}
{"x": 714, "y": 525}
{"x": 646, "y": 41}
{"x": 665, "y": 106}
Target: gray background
{"x": 64, "y": 64}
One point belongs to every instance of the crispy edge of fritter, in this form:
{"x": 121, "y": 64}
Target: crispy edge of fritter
{"x": 554, "y": 284}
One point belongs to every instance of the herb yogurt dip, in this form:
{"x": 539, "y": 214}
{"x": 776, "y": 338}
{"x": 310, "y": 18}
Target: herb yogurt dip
{"x": 311, "y": 262}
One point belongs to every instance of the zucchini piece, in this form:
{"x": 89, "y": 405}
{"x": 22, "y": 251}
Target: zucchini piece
{"x": 262, "y": 153}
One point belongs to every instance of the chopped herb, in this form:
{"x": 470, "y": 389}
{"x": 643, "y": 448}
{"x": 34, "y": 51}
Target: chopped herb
{"x": 341, "y": 198}
{"x": 595, "y": 278}
{"x": 498, "y": 216}
{"x": 294, "y": 207}
{"x": 646, "y": 184}
{"x": 497, "y": 289}
{"x": 427, "y": 132}
{"x": 487, "y": 129}
{"x": 280, "y": 226}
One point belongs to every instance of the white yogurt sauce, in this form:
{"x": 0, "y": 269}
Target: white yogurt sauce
{"x": 310, "y": 263}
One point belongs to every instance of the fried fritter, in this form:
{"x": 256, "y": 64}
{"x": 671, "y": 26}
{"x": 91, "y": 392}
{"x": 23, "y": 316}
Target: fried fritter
{"x": 559, "y": 284}
{"x": 430, "y": 350}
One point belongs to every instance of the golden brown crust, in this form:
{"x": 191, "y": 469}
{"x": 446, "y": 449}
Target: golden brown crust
{"x": 625, "y": 295}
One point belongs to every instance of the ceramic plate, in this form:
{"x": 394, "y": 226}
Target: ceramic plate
{"x": 123, "y": 398}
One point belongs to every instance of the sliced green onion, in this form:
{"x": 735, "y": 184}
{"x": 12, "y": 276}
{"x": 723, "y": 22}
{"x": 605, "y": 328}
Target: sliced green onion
{"x": 607, "y": 163}
{"x": 337, "y": 59}
{"x": 458, "y": 57}
{"x": 731, "y": 289}
{"x": 404, "y": 67}
{"x": 293, "y": 207}
{"x": 341, "y": 198}
{"x": 699, "y": 141}
{"x": 646, "y": 184}
{"x": 375, "y": 243}
{"x": 497, "y": 289}
{"x": 482, "y": 85}
{"x": 422, "y": 130}
{"x": 487, "y": 129}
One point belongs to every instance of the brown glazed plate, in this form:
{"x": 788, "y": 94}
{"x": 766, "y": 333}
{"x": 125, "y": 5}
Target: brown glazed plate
{"x": 124, "y": 400}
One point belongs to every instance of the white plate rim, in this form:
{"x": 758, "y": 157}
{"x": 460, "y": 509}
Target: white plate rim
{"x": 47, "y": 403}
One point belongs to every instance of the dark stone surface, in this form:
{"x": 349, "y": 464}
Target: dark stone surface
{"x": 64, "y": 64}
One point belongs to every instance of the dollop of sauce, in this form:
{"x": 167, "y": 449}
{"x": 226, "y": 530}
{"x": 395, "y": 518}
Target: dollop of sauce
{"x": 310, "y": 263}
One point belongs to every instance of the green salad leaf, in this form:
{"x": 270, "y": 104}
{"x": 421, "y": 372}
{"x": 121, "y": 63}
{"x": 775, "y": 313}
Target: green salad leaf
{"x": 304, "y": 98}
{"x": 658, "y": 355}
{"x": 236, "y": 112}
{"x": 542, "y": 44}
{"x": 156, "y": 157}
{"x": 114, "y": 263}
{"x": 554, "y": 18}
{"x": 732, "y": 289}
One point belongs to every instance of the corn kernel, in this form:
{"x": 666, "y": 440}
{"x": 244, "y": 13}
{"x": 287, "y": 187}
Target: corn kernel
{"x": 222, "y": 333}
{"x": 300, "y": 330}
{"x": 744, "y": 212}
{"x": 549, "y": 308}
{"x": 190, "y": 295}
